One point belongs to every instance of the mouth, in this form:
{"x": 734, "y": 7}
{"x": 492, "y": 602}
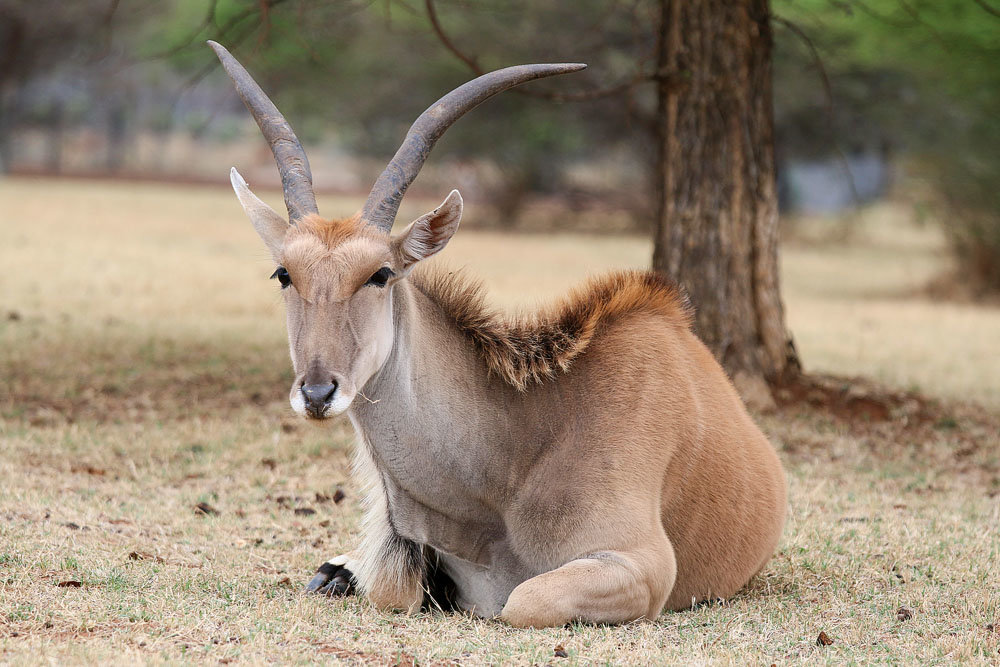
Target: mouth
{"x": 318, "y": 415}
{"x": 314, "y": 410}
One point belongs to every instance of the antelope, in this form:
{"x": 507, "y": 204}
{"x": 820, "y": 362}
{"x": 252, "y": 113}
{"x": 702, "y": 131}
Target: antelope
{"x": 590, "y": 463}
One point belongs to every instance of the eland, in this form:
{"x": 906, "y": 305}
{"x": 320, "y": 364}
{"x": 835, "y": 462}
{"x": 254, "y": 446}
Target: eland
{"x": 590, "y": 463}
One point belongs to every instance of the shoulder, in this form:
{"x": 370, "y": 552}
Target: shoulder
{"x": 536, "y": 347}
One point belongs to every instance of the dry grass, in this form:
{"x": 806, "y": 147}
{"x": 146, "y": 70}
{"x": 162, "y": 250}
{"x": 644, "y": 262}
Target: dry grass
{"x": 144, "y": 372}
{"x": 861, "y": 308}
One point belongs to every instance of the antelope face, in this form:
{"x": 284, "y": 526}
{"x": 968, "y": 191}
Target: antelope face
{"x": 337, "y": 279}
{"x": 339, "y": 309}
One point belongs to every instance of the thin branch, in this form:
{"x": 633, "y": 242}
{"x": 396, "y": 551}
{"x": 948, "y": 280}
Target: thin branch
{"x": 200, "y": 74}
{"x": 882, "y": 17}
{"x": 218, "y": 33}
{"x": 813, "y": 51}
{"x": 112, "y": 8}
{"x": 295, "y": 33}
{"x": 842, "y": 5}
{"x": 296, "y": 36}
{"x": 915, "y": 15}
{"x": 585, "y": 95}
{"x": 109, "y": 18}
{"x": 828, "y": 92}
{"x": 987, "y": 8}
{"x": 207, "y": 23}
{"x": 265, "y": 21}
{"x": 448, "y": 44}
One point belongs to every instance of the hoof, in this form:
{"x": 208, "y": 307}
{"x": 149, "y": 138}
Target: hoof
{"x": 332, "y": 579}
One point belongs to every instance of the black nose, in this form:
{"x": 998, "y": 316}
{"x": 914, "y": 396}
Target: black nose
{"x": 318, "y": 396}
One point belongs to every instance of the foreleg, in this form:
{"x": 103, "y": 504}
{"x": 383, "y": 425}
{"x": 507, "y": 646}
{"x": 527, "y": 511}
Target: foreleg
{"x": 387, "y": 569}
{"x": 390, "y": 570}
{"x": 335, "y": 577}
{"x": 602, "y": 587}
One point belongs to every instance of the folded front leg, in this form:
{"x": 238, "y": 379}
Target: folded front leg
{"x": 390, "y": 569}
{"x": 386, "y": 568}
{"x": 601, "y": 587}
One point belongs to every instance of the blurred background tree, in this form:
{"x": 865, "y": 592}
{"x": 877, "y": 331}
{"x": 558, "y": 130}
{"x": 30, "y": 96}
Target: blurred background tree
{"x": 916, "y": 80}
{"x": 870, "y": 98}
{"x": 39, "y": 38}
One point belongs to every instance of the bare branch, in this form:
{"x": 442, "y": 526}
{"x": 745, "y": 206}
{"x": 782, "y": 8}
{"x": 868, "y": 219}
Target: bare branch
{"x": 448, "y": 44}
{"x": 987, "y": 8}
{"x": 109, "y": 18}
{"x": 188, "y": 41}
{"x": 218, "y": 33}
{"x": 112, "y": 8}
{"x": 915, "y": 15}
{"x": 813, "y": 51}
{"x": 265, "y": 21}
{"x": 640, "y": 76}
{"x": 200, "y": 74}
{"x": 828, "y": 93}
{"x": 882, "y": 17}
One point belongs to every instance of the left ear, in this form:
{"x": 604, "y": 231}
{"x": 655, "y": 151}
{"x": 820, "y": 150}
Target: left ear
{"x": 429, "y": 233}
{"x": 270, "y": 226}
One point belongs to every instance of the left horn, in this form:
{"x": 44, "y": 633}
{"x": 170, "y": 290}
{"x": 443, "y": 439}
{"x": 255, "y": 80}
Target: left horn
{"x": 383, "y": 202}
{"x": 293, "y": 165}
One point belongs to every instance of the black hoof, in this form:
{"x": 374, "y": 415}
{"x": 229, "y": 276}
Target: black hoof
{"x": 332, "y": 580}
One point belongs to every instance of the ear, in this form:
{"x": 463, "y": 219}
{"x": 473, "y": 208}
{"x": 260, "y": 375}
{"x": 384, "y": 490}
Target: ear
{"x": 429, "y": 233}
{"x": 270, "y": 226}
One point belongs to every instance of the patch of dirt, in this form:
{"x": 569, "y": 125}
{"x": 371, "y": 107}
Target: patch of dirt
{"x": 853, "y": 399}
{"x": 959, "y": 437}
{"x": 127, "y": 390}
{"x": 862, "y": 405}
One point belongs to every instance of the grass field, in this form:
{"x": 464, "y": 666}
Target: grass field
{"x": 143, "y": 371}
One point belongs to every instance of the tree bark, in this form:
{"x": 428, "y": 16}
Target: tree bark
{"x": 717, "y": 208}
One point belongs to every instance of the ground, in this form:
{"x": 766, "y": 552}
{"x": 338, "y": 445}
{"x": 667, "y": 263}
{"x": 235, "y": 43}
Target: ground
{"x": 159, "y": 501}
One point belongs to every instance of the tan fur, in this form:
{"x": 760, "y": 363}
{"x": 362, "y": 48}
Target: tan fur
{"x": 333, "y": 232}
{"x": 534, "y": 349}
{"x": 591, "y": 462}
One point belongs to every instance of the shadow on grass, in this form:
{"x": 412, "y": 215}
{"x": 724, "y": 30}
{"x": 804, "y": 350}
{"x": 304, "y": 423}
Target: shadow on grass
{"x": 102, "y": 378}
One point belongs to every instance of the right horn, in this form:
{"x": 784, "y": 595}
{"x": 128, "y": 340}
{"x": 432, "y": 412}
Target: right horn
{"x": 293, "y": 165}
{"x": 383, "y": 203}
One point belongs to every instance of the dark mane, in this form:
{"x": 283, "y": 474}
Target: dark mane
{"x": 526, "y": 350}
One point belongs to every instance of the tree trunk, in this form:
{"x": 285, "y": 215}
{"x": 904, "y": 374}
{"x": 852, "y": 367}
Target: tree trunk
{"x": 6, "y": 127}
{"x": 116, "y": 128}
{"x": 56, "y": 137}
{"x": 717, "y": 208}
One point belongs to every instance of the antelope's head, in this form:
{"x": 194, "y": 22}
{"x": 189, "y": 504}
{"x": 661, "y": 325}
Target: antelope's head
{"x": 337, "y": 276}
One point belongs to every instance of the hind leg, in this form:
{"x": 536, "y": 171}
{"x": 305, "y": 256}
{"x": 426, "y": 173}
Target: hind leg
{"x": 602, "y": 587}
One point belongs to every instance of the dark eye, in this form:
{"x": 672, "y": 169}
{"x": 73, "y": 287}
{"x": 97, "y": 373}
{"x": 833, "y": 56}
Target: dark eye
{"x": 282, "y": 275}
{"x": 380, "y": 277}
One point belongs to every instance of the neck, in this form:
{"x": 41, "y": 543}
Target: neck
{"x": 429, "y": 357}
{"x": 431, "y": 406}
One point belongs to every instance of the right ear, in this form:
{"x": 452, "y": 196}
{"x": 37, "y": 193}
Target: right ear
{"x": 270, "y": 226}
{"x": 429, "y": 233}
